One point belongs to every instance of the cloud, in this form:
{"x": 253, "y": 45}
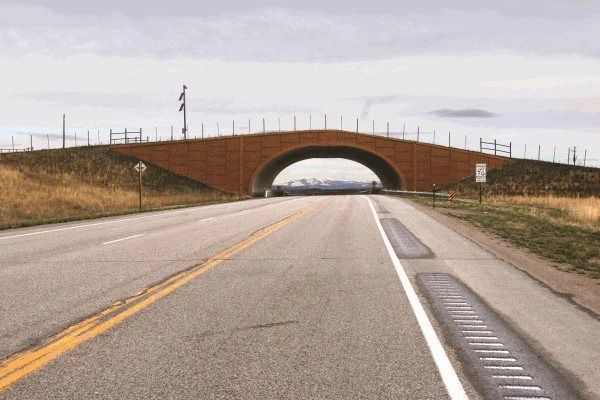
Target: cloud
{"x": 289, "y": 33}
{"x": 373, "y": 101}
{"x": 52, "y": 136}
{"x": 463, "y": 113}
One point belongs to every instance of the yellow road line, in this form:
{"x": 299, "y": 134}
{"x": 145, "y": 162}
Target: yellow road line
{"x": 24, "y": 363}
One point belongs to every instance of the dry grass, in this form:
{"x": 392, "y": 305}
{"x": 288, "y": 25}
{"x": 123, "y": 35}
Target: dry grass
{"x": 562, "y": 229}
{"x": 581, "y": 209}
{"x": 41, "y": 187}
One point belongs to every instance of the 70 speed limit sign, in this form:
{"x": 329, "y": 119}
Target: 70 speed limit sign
{"x": 480, "y": 172}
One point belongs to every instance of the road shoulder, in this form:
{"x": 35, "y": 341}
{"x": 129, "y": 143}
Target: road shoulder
{"x": 581, "y": 290}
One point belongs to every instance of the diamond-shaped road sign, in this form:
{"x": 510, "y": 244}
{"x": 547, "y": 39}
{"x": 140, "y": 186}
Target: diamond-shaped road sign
{"x": 140, "y": 166}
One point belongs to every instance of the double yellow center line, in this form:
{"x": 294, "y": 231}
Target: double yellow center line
{"x": 24, "y": 363}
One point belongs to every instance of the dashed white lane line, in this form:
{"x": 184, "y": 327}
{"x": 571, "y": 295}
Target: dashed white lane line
{"x": 207, "y": 219}
{"x": 114, "y": 221}
{"x": 449, "y": 377}
{"x": 125, "y": 238}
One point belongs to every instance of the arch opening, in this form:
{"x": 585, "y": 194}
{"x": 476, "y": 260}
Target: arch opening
{"x": 266, "y": 174}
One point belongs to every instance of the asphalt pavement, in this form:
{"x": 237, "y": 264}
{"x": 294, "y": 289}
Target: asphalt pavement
{"x": 294, "y": 297}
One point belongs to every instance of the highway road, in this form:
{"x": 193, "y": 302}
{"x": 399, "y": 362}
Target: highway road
{"x": 296, "y": 297}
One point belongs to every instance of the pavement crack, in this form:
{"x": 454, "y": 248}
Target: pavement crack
{"x": 231, "y": 331}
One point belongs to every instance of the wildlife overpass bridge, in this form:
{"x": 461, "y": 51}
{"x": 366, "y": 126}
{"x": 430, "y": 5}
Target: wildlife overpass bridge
{"x": 248, "y": 164}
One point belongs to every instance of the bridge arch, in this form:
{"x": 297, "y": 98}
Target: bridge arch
{"x": 265, "y": 174}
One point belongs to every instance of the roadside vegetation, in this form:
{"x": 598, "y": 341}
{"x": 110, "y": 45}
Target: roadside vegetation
{"x": 553, "y": 210}
{"x": 62, "y": 185}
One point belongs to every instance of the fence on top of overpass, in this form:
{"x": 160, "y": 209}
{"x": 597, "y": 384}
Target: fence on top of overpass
{"x": 41, "y": 141}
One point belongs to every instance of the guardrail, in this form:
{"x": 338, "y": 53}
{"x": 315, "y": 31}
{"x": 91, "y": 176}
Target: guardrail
{"x": 412, "y": 192}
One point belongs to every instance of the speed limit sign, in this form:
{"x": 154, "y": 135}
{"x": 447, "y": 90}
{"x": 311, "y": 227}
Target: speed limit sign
{"x": 480, "y": 172}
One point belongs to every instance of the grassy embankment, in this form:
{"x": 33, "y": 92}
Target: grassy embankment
{"x": 552, "y": 210}
{"x": 62, "y": 185}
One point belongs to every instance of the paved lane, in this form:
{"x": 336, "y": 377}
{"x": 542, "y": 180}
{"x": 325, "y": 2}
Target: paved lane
{"x": 294, "y": 298}
{"x": 314, "y": 310}
{"x": 51, "y": 277}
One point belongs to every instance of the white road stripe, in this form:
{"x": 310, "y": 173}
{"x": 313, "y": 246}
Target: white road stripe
{"x": 521, "y": 387}
{"x": 526, "y": 398}
{"x": 449, "y": 377}
{"x": 125, "y": 238}
{"x": 191, "y": 209}
{"x": 492, "y": 351}
{"x": 521, "y": 377}
{"x": 207, "y": 219}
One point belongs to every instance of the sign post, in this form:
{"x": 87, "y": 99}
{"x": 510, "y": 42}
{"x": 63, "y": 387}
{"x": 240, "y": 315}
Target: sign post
{"x": 140, "y": 167}
{"x": 480, "y": 177}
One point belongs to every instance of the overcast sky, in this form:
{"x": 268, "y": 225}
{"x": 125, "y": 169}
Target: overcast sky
{"x": 520, "y": 71}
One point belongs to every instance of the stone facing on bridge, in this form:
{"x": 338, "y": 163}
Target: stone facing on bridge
{"x": 231, "y": 163}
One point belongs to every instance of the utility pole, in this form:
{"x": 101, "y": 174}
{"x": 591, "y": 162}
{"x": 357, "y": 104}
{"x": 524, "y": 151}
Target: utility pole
{"x": 156, "y": 134}
{"x": 294, "y": 123}
{"x": 171, "y": 132}
{"x": 448, "y": 139}
{"x": 48, "y": 140}
{"x": 310, "y": 122}
{"x": 341, "y": 122}
{"x": 388, "y": 130}
{"x": 325, "y": 121}
{"x": 356, "y": 125}
{"x": 584, "y": 156}
{"x": 218, "y": 130}
{"x": 574, "y": 155}
{"x": 403, "y": 129}
{"x": 203, "y": 130}
{"x": 373, "y": 128}
{"x": 12, "y": 139}
{"x": 263, "y": 125}
{"x": 30, "y": 142}
{"x": 64, "y": 134}
{"x": 99, "y": 136}
{"x": 465, "y": 142}
{"x": 554, "y": 155}
{"x": 525, "y": 152}
{"x": 184, "y": 108}
{"x": 418, "y": 132}
{"x": 88, "y": 137}
{"x": 539, "y": 151}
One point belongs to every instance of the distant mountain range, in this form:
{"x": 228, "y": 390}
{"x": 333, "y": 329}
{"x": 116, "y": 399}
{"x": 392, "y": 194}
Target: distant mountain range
{"x": 323, "y": 184}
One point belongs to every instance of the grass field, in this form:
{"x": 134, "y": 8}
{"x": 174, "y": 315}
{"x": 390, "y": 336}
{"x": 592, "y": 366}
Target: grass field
{"x": 78, "y": 183}
{"x": 565, "y": 230}
{"x": 533, "y": 178}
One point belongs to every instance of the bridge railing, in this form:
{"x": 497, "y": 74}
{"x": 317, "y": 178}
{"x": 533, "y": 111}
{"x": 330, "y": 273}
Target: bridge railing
{"x": 575, "y": 155}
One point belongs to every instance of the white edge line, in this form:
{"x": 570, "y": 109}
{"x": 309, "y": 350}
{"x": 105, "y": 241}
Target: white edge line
{"x": 125, "y": 238}
{"x": 114, "y": 221}
{"x": 453, "y": 385}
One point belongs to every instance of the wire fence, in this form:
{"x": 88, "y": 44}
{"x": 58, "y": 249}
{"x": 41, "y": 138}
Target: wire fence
{"x": 571, "y": 155}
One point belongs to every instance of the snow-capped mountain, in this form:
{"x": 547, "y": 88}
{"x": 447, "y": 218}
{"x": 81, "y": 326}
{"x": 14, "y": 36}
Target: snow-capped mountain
{"x": 316, "y": 183}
